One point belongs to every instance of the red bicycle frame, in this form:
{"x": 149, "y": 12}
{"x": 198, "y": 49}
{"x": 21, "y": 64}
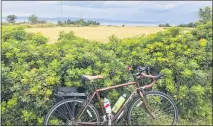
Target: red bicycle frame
{"x": 136, "y": 90}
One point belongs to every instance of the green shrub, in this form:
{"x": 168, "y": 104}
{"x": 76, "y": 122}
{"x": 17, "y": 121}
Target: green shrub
{"x": 31, "y": 69}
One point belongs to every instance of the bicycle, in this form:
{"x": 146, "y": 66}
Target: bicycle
{"x": 146, "y": 108}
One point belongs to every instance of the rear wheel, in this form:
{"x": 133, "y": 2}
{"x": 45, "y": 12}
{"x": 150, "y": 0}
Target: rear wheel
{"x": 161, "y": 105}
{"x": 65, "y": 112}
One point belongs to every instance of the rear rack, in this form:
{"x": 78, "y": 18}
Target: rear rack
{"x": 71, "y": 94}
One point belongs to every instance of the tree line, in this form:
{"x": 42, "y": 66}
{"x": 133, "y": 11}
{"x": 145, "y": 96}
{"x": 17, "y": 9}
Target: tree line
{"x": 33, "y": 19}
{"x": 164, "y": 25}
{"x": 191, "y": 24}
{"x": 80, "y": 22}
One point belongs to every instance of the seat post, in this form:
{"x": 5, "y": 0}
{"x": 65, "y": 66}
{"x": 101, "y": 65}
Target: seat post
{"x": 94, "y": 88}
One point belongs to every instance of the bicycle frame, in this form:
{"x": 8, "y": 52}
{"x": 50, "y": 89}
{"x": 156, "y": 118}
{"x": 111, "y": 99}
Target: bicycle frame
{"x": 97, "y": 93}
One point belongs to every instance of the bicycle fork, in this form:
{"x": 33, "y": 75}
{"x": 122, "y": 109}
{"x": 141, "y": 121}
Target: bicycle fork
{"x": 145, "y": 104}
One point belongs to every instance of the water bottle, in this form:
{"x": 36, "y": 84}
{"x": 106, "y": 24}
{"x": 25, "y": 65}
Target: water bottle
{"x": 119, "y": 103}
{"x": 107, "y": 106}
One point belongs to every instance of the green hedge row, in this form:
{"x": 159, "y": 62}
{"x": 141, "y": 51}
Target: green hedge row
{"x": 31, "y": 69}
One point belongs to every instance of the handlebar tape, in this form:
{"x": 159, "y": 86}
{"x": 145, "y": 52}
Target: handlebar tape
{"x": 158, "y": 76}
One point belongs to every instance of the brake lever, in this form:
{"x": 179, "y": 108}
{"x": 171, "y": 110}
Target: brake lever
{"x": 159, "y": 76}
{"x": 148, "y": 70}
{"x": 137, "y": 74}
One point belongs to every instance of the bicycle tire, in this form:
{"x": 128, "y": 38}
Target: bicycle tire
{"x": 149, "y": 93}
{"x": 57, "y": 105}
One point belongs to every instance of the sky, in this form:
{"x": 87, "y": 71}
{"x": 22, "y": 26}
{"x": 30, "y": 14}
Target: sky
{"x": 176, "y": 12}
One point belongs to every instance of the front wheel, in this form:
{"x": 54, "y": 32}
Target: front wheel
{"x": 161, "y": 105}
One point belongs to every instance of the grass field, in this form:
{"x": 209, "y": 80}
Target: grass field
{"x": 99, "y": 33}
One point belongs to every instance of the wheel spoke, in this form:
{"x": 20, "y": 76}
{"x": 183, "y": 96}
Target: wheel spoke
{"x": 165, "y": 105}
{"x": 169, "y": 110}
{"x": 161, "y": 107}
{"x": 69, "y": 111}
{"x": 60, "y": 113}
{"x": 73, "y": 108}
{"x": 63, "y": 110}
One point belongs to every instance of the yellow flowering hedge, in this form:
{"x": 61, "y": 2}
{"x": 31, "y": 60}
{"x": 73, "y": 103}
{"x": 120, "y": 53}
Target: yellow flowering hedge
{"x": 31, "y": 69}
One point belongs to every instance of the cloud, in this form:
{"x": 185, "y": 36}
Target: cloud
{"x": 21, "y": 14}
{"x": 49, "y": 2}
{"x": 167, "y": 11}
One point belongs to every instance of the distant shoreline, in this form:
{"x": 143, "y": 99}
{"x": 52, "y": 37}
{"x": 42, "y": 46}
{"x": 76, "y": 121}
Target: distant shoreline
{"x": 103, "y": 23}
{"x": 106, "y": 24}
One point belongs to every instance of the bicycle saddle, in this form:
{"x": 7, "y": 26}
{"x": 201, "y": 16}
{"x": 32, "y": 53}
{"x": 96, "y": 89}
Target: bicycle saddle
{"x": 89, "y": 78}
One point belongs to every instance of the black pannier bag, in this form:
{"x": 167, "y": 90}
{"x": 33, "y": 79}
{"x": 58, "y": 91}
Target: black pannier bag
{"x": 62, "y": 93}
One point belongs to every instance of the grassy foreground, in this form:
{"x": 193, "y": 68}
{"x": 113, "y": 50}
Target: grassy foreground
{"x": 98, "y": 33}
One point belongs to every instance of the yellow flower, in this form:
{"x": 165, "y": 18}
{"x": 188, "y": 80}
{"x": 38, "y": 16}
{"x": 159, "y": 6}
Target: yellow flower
{"x": 34, "y": 70}
{"x": 203, "y": 42}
